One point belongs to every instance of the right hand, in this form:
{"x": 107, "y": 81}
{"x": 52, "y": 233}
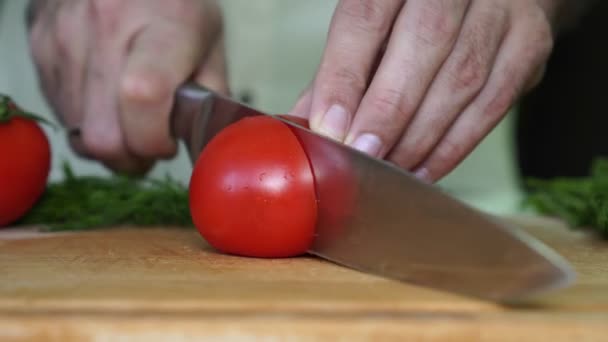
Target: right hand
{"x": 111, "y": 67}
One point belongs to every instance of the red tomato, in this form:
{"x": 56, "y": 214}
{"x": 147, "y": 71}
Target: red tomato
{"x": 252, "y": 191}
{"x": 335, "y": 183}
{"x": 25, "y": 162}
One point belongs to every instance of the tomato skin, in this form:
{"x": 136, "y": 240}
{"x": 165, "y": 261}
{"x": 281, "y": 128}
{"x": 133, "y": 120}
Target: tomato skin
{"x": 25, "y": 163}
{"x": 337, "y": 195}
{"x": 252, "y": 191}
{"x": 335, "y": 181}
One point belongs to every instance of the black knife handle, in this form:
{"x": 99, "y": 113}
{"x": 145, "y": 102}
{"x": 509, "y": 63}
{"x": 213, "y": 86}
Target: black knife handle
{"x": 189, "y": 100}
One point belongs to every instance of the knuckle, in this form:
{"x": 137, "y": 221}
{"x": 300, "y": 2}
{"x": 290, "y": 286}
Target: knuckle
{"x": 146, "y": 88}
{"x": 344, "y": 85}
{"x": 368, "y": 16}
{"x": 36, "y": 39}
{"x": 107, "y": 14}
{"x": 436, "y": 24}
{"x": 105, "y": 8}
{"x": 351, "y": 78}
{"x": 469, "y": 70}
{"x": 390, "y": 103}
{"x": 64, "y": 39}
{"x": 473, "y": 58}
{"x": 147, "y": 96}
{"x": 504, "y": 96}
{"x": 542, "y": 40}
{"x": 537, "y": 37}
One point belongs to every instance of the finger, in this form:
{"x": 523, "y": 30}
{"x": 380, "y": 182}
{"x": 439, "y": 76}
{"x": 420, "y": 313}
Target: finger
{"x": 101, "y": 132}
{"x": 162, "y": 56}
{"x": 71, "y": 39}
{"x": 357, "y": 32}
{"x": 422, "y": 38}
{"x": 458, "y": 82}
{"x": 55, "y": 58}
{"x": 525, "y": 50}
{"x": 212, "y": 72}
{"x": 72, "y": 44}
{"x": 44, "y": 57}
{"x": 302, "y": 106}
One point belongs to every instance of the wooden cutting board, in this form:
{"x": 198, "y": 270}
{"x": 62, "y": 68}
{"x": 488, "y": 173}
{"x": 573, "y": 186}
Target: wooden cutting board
{"x": 165, "y": 283}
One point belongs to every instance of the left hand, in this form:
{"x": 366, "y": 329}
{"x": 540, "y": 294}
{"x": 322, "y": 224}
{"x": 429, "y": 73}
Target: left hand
{"x": 422, "y": 82}
{"x": 110, "y": 68}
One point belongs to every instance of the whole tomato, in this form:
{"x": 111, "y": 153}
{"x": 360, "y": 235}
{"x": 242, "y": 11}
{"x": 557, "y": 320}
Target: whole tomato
{"x": 25, "y": 161}
{"x": 252, "y": 191}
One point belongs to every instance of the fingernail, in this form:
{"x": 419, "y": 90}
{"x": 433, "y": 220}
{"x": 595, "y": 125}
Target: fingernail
{"x": 334, "y": 123}
{"x": 423, "y": 175}
{"x": 368, "y": 143}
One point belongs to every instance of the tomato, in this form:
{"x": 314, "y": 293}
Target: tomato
{"x": 25, "y": 163}
{"x": 252, "y": 191}
{"x": 335, "y": 181}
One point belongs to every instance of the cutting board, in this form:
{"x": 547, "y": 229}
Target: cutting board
{"x": 165, "y": 283}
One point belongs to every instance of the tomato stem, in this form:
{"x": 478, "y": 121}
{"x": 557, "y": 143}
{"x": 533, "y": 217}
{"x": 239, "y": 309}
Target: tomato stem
{"x": 9, "y": 110}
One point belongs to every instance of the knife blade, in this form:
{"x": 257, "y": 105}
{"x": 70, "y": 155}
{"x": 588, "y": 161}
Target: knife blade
{"x": 377, "y": 218}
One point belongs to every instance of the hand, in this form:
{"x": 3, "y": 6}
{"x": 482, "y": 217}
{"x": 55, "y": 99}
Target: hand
{"x": 421, "y": 82}
{"x": 111, "y": 67}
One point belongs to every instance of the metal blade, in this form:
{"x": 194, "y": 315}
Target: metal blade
{"x": 377, "y": 218}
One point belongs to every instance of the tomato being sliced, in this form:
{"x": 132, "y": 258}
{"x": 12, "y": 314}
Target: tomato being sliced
{"x": 252, "y": 191}
{"x": 335, "y": 183}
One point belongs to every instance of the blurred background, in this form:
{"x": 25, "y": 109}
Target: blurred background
{"x": 274, "y": 47}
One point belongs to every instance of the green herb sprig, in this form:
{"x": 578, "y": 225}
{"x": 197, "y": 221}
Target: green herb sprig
{"x": 581, "y": 202}
{"x": 86, "y": 202}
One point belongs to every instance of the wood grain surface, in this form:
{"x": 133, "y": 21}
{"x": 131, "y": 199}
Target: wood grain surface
{"x": 160, "y": 283}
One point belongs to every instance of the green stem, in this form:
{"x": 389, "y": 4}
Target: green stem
{"x": 9, "y": 110}
{"x": 5, "y": 113}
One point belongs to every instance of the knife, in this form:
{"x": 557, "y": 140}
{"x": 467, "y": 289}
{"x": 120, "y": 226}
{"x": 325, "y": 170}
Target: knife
{"x": 377, "y": 218}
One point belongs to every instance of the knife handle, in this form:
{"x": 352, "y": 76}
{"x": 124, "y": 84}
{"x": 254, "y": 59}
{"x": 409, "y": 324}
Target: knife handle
{"x": 190, "y": 99}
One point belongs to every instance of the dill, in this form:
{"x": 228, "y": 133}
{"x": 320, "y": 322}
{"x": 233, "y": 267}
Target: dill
{"x": 86, "y": 202}
{"x": 582, "y": 202}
